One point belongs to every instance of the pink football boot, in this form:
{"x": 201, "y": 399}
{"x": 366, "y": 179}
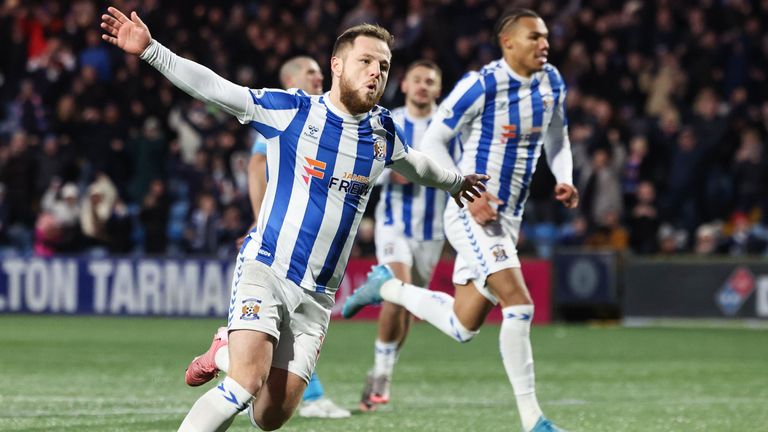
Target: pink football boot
{"x": 203, "y": 367}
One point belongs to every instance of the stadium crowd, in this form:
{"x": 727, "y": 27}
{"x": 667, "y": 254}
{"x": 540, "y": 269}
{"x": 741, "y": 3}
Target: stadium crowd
{"x": 668, "y": 115}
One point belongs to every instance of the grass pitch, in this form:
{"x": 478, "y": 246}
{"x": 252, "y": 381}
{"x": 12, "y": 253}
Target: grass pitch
{"x": 112, "y": 374}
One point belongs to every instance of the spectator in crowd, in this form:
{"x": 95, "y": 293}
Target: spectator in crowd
{"x": 601, "y": 190}
{"x": 229, "y": 230}
{"x": 201, "y": 234}
{"x": 62, "y": 203}
{"x": 677, "y": 87}
{"x": 4, "y": 215}
{"x": 749, "y": 171}
{"x": 17, "y": 172}
{"x": 96, "y": 209}
{"x": 154, "y": 217}
{"x": 643, "y": 220}
{"x": 743, "y": 239}
{"x": 707, "y": 240}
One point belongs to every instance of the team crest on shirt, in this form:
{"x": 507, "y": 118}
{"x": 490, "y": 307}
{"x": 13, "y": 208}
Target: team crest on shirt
{"x": 379, "y": 148}
{"x": 499, "y": 252}
{"x": 250, "y": 309}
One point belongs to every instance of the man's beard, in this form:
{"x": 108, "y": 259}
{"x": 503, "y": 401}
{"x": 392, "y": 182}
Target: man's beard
{"x": 352, "y": 99}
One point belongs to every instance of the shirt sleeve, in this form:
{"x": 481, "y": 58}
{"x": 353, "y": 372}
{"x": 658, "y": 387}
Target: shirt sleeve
{"x": 455, "y": 113}
{"x": 557, "y": 145}
{"x": 419, "y": 168}
{"x": 271, "y": 110}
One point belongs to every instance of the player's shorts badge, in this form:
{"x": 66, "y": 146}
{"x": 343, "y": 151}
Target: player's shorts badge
{"x": 499, "y": 252}
{"x": 379, "y": 148}
{"x": 251, "y": 308}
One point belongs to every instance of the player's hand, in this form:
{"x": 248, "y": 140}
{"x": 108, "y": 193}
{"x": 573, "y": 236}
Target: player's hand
{"x": 484, "y": 209}
{"x": 471, "y": 188}
{"x": 567, "y": 194}
{"x": 130, "y": 35}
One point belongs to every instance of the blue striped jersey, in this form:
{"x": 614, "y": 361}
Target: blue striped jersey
{"x": 417, "y": 211}
{"x": 322, "y": 166}
{"x": 505, "y": 119}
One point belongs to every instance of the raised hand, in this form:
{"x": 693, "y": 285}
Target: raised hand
{"x": 472, "y": 185}
{"x": 130, "y": 35}
{"x": 567, "y": 194}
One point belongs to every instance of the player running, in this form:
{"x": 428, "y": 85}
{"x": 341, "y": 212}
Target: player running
{"x": 514, "y": 105}
{"x": 325, "y": 152}
{"x": 409, "y": 228}
{"x": 304, "y": 73}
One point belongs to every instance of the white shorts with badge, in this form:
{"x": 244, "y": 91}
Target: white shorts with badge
{"x": 393, "y": 246}
{"x": 480, "y": 250}
{"x": 297, "y": 318}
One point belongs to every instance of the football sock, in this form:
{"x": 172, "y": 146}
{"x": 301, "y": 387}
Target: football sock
{"x": 517, "y": 356}
{"x": 216, "y": 409}
{"x": 432, "y": 306}
{"x": 314, "y": 390}
{"x": 384, "y": 358}
{"x": 221, "y": 357}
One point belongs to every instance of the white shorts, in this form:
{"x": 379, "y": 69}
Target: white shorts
{"x": 297, "y": 318}
{"x": 480, "y": 250}
{"x": 392, "y": 246}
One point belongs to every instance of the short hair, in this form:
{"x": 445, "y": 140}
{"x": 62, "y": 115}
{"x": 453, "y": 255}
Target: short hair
{"x": 371, "y": 30}
{"x": 510, "y": 16}
{"x": 429, "y": 64}
{"x": 292, "y": 66}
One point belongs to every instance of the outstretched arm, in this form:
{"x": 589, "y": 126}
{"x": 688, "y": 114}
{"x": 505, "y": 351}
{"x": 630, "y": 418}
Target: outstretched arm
{"x": 419, "y": 168}
{"x": 132, "y": 36}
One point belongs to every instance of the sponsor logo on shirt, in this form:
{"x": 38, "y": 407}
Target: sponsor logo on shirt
{"x": 508, "y": 132}
{"x": 311, "y": 131}
{"x": 313, "y": 168}
{"x": 351, "y": 183}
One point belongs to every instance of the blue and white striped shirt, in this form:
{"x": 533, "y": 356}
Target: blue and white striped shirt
{"x": 417, "y": 211}
{"x": 322, "y": 165}
{"x": 505, "y": 119}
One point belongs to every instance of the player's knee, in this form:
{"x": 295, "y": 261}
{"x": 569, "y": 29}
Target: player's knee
{"x": 252, "y": 383}
{"x": 460, "y": 333}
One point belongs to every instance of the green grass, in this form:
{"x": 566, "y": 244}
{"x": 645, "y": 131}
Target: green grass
{"x": 110, "y": 374}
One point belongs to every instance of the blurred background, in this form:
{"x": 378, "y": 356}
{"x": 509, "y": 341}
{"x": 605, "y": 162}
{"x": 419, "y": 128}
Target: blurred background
{"x": 100, "y": 157}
